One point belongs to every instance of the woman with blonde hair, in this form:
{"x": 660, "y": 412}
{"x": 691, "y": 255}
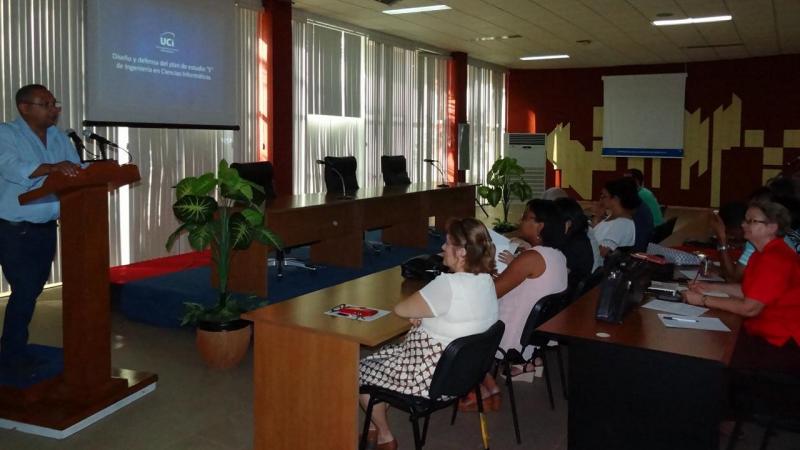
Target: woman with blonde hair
{"x": 453, "y": 305}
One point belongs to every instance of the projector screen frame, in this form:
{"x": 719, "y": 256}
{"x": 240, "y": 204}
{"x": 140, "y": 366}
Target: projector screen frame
{"x": 184, "y": 126}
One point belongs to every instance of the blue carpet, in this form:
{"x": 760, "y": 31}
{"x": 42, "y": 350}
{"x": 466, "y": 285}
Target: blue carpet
{"x": 159, "y": 300}
{"x": 52, "y": 359}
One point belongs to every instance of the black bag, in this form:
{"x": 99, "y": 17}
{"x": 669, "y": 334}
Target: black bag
{"x": 622, "y": 289}
{"x": 423, "y": 267}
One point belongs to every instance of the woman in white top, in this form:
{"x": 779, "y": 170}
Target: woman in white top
{"x": 451, "y": 306}
{"x": 612, "y": 223}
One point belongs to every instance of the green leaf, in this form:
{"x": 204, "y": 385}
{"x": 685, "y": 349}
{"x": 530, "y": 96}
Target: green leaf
{"x": 175, "y": 234}
{"x": 205, "y": 184}
{"x": 494, "y": 197}
{"x": 185, "y": 187}
{"x": 241, "y": 231}
{"x": 200, "y": 238}
{"x": 195, "y": 209}
{"x": 267, "y": 237}
{"x": 254, "y": 217}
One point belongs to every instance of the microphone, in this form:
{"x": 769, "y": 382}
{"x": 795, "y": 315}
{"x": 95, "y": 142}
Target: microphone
{"x": 435, "y": 163}
{"x": 77, "y": 142}
{"x": 99, "y": 139}
{"x": 344, "y": 195}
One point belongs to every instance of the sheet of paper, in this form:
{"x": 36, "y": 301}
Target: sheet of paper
{"x": 501, "y": 243}
{"x": 690, "y": 274}
{"x": 694, "y": 323}
{"x": 355, "y": 312}
{"x": 680, "y": 309}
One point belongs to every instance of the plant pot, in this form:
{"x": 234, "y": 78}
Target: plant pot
{"x": 223, "y": 345}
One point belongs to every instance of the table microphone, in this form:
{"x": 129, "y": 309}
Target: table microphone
{"x": 435, "y": 163}
{"x": 344, "y": 195}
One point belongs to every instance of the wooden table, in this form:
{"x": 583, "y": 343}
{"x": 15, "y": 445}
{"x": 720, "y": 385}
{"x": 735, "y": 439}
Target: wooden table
{"x": 335, "y": 227}
{"x": 646, "y": 385}
{"x": 306, "y": 363}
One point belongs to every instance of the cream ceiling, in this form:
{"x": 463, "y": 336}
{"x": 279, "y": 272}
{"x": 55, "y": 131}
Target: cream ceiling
{"x": 619, "y": 31}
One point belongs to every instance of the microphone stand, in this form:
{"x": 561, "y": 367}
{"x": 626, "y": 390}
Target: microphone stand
{"x": 344, "y": 195}
{"x": 435, "y": 164}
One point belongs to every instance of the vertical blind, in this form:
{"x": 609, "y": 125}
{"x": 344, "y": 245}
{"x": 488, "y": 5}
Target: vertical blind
{"x": 41, "y": 41}
{"x": 486, "y": 115}
{"x": 390, "y": 101}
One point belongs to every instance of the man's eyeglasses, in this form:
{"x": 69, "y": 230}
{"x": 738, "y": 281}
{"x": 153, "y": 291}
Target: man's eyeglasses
{"x": 47, "y": 105}
{"x": 752, "y": 221}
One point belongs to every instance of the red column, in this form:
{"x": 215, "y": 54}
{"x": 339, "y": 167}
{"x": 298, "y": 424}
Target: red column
{"x": 278, "y": 37}
{"x": 457, "y": 111}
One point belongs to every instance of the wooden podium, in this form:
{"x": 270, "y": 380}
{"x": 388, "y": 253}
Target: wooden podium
{"x": 87, "y": 385}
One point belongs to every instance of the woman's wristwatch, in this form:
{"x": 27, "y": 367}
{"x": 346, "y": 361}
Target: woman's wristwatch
{"x": 722, "y": 247}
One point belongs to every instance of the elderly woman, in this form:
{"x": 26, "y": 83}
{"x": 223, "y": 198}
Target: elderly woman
{"x": 451, "y": 306}
{"x": 540, "y": 270}
{"x": 612, "y": 223}
{"x": 768, "y": 296}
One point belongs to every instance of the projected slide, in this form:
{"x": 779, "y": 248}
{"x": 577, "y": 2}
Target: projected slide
{"x": 643, "y": 115}
{"x": 161, "y": 63}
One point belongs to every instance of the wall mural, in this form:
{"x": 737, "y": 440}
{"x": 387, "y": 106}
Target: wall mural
{"x": 742, "y": 125}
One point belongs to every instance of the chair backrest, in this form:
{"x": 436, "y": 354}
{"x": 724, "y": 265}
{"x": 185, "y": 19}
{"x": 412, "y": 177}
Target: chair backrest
{"x": 464, "y": 362}
{"x": 663, "y": 231}
{"x": 394, "y": 170}
{"x": 643, "y": 221}
{"x": 346, "y": 165}
{"x": 588, "y": 283}
{"x": 543, "y": 310}
{"x": 259, "y": 173}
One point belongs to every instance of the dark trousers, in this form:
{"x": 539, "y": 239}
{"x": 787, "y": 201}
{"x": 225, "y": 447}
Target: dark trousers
{"x": 26, "y": 254}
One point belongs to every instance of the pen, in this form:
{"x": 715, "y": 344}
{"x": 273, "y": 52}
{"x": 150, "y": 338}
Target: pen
{"x": 680, "y": 319}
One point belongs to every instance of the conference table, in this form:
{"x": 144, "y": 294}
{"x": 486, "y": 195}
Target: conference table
{"x": 641, "y": 385}
{"x": 334, "y": 227}
{"x": 306, "y": 362}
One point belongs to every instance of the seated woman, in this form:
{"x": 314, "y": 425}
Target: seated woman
{"x": 451, "y": 306}
{"x": 576, "y": 248}
{"x": 768, "y": 297}
{"x": 538, "y": 271}
{"x": 612, "y": 223}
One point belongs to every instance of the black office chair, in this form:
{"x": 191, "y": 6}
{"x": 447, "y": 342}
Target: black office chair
{"x": 663, "y": 231}
{"x": 542, "y": 311}
{"x": 460, "y": 370}
{"x": 394, "y": 170}
{"x": 261, "y": 174}
{"x": 346, "y": 166}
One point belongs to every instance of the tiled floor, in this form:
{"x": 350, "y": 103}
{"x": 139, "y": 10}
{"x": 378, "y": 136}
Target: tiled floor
{"x": 198, "y": 408}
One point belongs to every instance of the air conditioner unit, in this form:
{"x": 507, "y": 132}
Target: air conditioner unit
{"x": 529, "y": 151}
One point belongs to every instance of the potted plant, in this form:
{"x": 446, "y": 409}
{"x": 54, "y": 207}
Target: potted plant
{"x": 232, "y": 223}
{"x": 503, "y": 182}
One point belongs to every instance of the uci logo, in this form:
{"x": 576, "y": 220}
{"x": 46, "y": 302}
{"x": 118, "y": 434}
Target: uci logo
{"x": 168, "y": 39}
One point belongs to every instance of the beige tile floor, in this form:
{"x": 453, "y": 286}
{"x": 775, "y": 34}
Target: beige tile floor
{"x": 198, "y": 408}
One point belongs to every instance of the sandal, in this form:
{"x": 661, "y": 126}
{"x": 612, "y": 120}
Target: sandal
{"x": 519, "y": 369}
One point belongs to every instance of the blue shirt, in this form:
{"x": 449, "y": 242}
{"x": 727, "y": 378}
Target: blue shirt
{"x": 792, "y": 239}
{"x": 21, "y": 152}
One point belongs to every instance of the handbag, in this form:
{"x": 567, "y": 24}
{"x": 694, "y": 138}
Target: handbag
{"x": 423, "y": 267}
{"x": 622, "y": 289}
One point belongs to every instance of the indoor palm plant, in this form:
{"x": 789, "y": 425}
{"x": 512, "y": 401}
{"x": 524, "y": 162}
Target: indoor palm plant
{"x": 503, "y": 182}
{"x": 230, "y": 223}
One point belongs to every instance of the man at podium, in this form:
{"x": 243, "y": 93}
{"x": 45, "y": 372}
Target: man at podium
{"x": 31, "y": 147}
